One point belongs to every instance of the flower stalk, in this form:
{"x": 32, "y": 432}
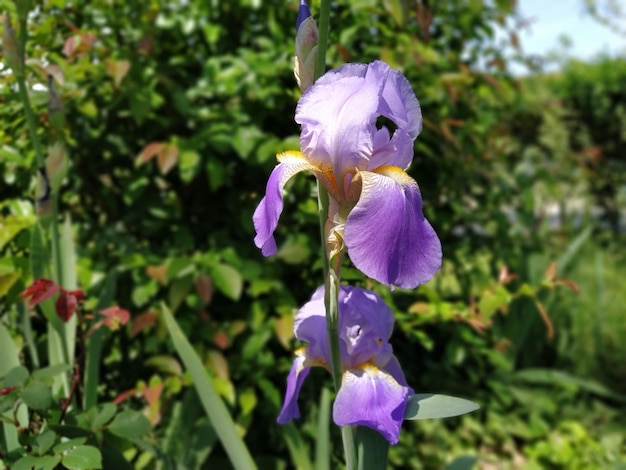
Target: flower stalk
{"x": 332, "y": 275}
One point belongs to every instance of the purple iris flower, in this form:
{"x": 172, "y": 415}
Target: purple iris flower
{"x": 374, "y": 391}
{"x": 375, "y": 207}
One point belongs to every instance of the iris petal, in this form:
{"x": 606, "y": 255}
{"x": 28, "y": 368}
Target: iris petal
{"x": 268, "y": 211}
{"x": 296, "y": 377}
{"x": 370, "y": 397}
{"x": 338, "y": 117}
{"x": 386, "y": 234}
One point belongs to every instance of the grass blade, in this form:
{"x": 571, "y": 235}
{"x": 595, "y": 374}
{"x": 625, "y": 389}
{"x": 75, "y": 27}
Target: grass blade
{"x": 322, "y": 444}
{"x": 94, "y": 345}
{"x": 212, "y": 403}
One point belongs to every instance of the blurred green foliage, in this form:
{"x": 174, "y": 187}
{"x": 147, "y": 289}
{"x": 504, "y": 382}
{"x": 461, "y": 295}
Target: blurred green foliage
{"x": 175, "y": 112}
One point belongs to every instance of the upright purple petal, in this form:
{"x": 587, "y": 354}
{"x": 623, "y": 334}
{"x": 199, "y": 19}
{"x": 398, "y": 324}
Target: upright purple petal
{"x": 365, "y": 325}
{"x": 370, "y": 397}
{"x": 296, "y": 377}
{"x": 338, "y": 115}
{"x": 386, "y": 233}
{"x": 267, "y": 213}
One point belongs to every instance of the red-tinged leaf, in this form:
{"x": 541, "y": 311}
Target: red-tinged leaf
{"x": 65, "y": 305}
{"x": 79, "y": 294}
{"x": 143, "y": 322}
{"x": 167, "y": 158}
{"x": 546, "y": 319}
{"x": 114, "y": 317}
{"x": 69, "y": 47}
{"x": 40, "y": 290}
{"x": 204, "y": 288}
{"x": 220, "y": 365}
{"x": 221, "y": 340}
{"x": 158, "y": 273}
{"x": 117, "y": 69}
{"x": 153, "y": 393}
{"x": 551, "y": 272}
{"x": 6, "y": 390}
{"x": 571, "y": 284}
{"x": 150, "y": 151}
{"x": 505, "y": 275}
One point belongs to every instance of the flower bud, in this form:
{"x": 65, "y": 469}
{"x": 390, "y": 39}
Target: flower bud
{"x": 10, "y": 47}
{"x": 56, "y": 116}
{"x": 56, "y": 165}
{"x": 306, "y": 47}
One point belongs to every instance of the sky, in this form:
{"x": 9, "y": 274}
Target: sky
{"x": 550, "y": 19}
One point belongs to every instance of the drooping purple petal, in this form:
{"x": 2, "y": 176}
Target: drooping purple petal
{"x": 392, "y": 367}
{"x": 268, "y": 211}
{"x": 310, "y": 326}
{"x": 386, "y": 234}
{"x": 370, "y": 397}
{"x": 296, "y": 377}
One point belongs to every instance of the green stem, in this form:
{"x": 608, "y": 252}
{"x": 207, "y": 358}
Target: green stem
{"x": 331, "y": 272}
{"x": 56, "y": 241}
{"x": 30, "y": 118}
{"x": 323, "y": 24}
{"x": 39, "y": 154}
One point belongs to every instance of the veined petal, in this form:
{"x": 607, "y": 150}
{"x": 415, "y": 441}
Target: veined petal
{"x": 338, "y": 117}
{"x": 370, "y": 397}
{"x": 268, "y": 211}
{"x": 296, "y": 377}
{"x": 386, "y": 234}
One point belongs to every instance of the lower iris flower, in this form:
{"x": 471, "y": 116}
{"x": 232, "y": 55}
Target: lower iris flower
{"x": 358, "y": 126}
{"x": 374, "y": 391}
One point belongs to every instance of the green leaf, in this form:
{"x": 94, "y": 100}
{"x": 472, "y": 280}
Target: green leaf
{"x": 37, "y": 396}
{"x": 130, "y": 424}
{"x": 71, "y": 432}
{"x": 105, "y": 413}
{"x": 83, "y": 457}
{"x": 178, "y": 290}
{"x": 50, "y": 371}
{"x": 94, "y": 345}
{"x": 465, "y": 462}
{"x": 298, "y": 448}
{"x": 213, "y": 405}
{"x": 189, "y": 438}
{"x": 322, "y": 442}
{"x": 48, "y": 462}
{"x": 372, "y": 449}
{"x": 432, "y": 406}
{"x": 44, "y": 441}
{"x": 11, "y": 226}
{"x": 228, "y": 280}
{"x": 166, "y": 364}
{"x": 67, "y": 445}
{"x": 27, "y": 462}
{"x": 16, "y": 377}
